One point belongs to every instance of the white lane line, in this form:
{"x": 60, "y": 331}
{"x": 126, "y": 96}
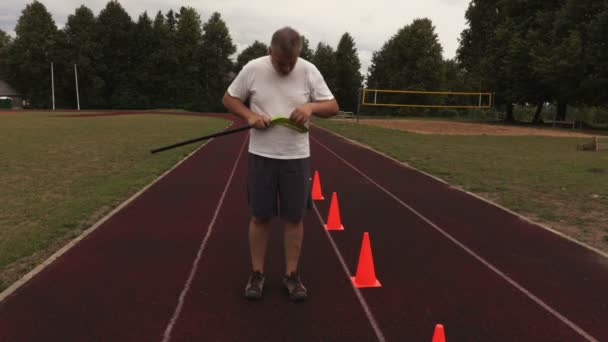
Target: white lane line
{"x": 16, "y": 285}
{"x": 368, "y": 311}
{"x": 186, "y": 289}
{"x": 520, "y": 216}
{"x": 494, "y": 269}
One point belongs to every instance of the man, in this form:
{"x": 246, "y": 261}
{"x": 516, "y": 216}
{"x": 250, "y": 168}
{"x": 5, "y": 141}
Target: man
{"x": 280, "y": 84}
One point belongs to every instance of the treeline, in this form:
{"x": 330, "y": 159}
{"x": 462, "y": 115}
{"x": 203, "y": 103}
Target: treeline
{"x": 172, "y": 60}
{"x": 531, "y": 52}
{"x": 176, "y": 61}
{"x": 537, "y": 52}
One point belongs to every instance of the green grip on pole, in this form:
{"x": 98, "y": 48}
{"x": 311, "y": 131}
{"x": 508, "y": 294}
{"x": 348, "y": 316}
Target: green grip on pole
{"x": 282, "y": 121}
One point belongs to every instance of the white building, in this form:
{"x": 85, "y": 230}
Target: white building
{"x": 6, "y": 91}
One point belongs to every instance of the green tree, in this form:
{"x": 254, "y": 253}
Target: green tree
{"x": 63, "y": 69}
{"x": 5, "y": 41}
{"x": 476, "y": 40}
{"x": 251, "y": 52}
{"x": 188, "y": 39}
{"x": 596, "y": 59}
{"x": 306, "y": 52}
{"x": 217, "y": 47}
{"x": 535, "y": 29}
{"x": 325, "y": 60}
{"x": 410, "y": 60}
{"x": 496, "y": 50}
{"x": 171, "y": 21}
{"x": 478, "y": 52}
{"x": 164, "y": 63}
{"x": 563, "y": 59}
{"x": 520, "y": 32}
{"x": 145, "y": 44}
{"x": 30, "y": 55}
{"x": 114, "y": 60}
{"x": 81, "y": 49}
{"x": 454, "y": 77}
{"x": 348, "y": 75}
{"x": 535, "y": 51}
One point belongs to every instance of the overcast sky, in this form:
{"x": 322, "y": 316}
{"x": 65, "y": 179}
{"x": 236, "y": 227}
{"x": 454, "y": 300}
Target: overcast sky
{"x": 370, "y": 22}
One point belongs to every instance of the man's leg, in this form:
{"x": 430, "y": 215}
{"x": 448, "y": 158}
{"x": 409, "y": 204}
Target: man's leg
{"x": 262, "y": 185}
{"x": 292, "y": 239}
{"x": 294, "y": 198}
{"x": 294, "y": 194}
{"x": 258, "y": 240}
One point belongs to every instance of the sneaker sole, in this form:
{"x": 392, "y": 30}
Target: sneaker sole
{"x": 253, "y": 296}
{"x": 295, "y": 299}
{"x": 298, "y": 299}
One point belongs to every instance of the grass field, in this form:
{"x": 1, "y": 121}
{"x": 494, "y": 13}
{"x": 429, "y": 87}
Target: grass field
{"x": 59, "y": 175}
{"x": 543, "y": 178}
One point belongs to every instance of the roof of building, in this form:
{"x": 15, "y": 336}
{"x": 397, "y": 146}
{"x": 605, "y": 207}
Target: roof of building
{"x": 7, "y": 90}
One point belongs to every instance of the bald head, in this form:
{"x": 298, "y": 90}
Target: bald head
{"x": 287, "y": 40}
{"x": 284, "y": 49}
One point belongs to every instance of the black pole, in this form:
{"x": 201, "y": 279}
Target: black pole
{"x": 219, "y": 134}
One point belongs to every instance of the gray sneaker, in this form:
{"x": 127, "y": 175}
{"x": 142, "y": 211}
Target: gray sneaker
{"x": 293, "y": 284}
{"x": 255, "y": 286}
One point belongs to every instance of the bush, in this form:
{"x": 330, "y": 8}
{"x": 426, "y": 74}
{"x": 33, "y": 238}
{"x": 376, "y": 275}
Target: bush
{"x": 6, "y": 103}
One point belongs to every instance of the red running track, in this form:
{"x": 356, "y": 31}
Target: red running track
{"x": 442, "y": 256}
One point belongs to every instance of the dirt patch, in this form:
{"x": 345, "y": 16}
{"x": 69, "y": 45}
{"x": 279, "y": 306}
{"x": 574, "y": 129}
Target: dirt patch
{"x": 465, "y": 128}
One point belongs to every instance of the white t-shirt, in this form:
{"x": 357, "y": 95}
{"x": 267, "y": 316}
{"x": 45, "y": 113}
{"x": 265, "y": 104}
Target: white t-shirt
{"x": 273, "y": 94}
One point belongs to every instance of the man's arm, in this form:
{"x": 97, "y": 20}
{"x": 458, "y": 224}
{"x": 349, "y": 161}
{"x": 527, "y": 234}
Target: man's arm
{"x": 237, "y": 107}
{"x": 324, "y": 109}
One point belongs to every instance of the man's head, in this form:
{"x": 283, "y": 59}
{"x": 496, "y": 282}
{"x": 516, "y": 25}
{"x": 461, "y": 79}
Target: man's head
{"x": 284, "y": 50}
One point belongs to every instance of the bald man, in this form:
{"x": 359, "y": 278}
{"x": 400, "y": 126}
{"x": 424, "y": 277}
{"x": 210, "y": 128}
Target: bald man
{"x": 280, "y": 84}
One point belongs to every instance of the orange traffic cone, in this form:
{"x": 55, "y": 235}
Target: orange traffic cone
{"x": 333, "y": 220}
{"x": 439, "y": 335}
{"x": 366, "y": 275}
{"x": 317, "y": 194}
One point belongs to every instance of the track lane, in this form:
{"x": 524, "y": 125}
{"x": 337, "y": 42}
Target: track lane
{"x": 553, "y": 268}
{"x": 122, "y": 281}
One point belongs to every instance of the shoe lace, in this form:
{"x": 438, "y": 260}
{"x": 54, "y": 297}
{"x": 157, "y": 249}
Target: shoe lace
{"x": 256, "y": 278}
{"x": 295, "y": 281}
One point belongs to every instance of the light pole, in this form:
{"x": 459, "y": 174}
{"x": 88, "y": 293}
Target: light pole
{"x": 77, "y": 95}
{"x": 53, "y": 85}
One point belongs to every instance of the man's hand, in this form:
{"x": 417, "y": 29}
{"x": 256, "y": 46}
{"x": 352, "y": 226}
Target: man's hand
{"x": 301, "y": 114}
{"x": 236, "y": 106}
{"x": 258, "y": 121}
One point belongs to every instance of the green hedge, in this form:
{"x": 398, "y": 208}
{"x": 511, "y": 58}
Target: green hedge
{"x": 6, "y": 104}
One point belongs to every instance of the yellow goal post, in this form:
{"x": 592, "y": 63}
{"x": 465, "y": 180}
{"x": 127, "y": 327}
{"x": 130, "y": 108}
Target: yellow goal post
{"x": 425, "y": 99}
